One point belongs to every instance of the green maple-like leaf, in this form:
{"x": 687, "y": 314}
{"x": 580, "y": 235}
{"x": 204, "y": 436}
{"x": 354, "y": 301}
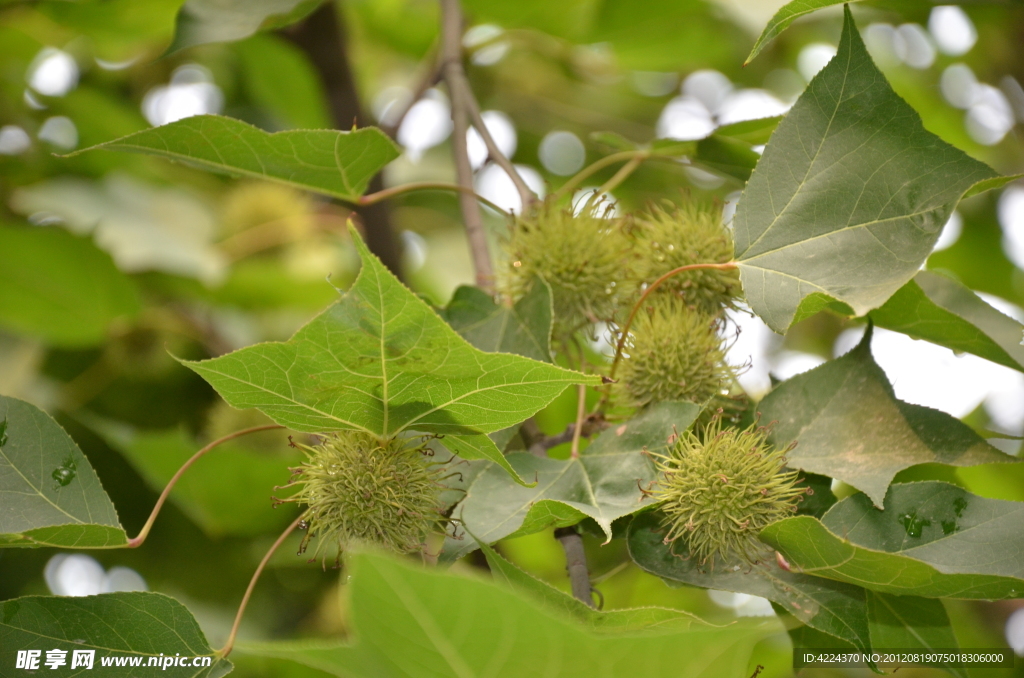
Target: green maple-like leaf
{"x": 453, "y": 626}
{"x": 338, "y": 164}
{"x": 605, "y": 482}
{"x": 381, "y": 360}
{"x": 850, "y": 195}
{"x": 50, "y": 494}
{"x": 848, "y": 424}
{"x": 933, "y": 540}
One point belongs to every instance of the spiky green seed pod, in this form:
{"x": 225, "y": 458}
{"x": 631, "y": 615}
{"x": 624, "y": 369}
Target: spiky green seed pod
{"x": 683, "y": 236}
{"x": 362, "y": 490}
{"x": 721, "y": 488}
{"x": 672, "y": 353}
{"x": 584, "y": 258}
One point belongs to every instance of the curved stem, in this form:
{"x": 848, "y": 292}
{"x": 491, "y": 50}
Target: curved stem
{"x": 620, "y": 176}
{"x": 526, "y": 195}
{"x": 144, "y": 532}
{"x": 568, "y": 187}
{"x": 374, "y": 198}
{"x": 643, "y": 297}
{"x": 228, "y": 646}
{"x": 458, "y": 91}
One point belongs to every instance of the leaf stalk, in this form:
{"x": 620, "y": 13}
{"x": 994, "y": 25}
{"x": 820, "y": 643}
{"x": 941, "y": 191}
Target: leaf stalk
{"x": 144, "y": 532}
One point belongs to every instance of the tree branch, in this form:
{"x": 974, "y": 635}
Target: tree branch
{"x": 526, "y": 194}
{"x": 322, "y": 37}
{"x": 575, "y": 563}
{"x": 462, "y": 96}
{"x": 451, "y": 51}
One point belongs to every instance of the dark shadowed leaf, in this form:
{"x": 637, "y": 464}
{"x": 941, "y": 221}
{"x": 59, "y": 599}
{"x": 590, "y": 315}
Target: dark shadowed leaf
{"x": 830, "y": 607}
{"x": 280, "y": 78}
{"x": 338, "y": 164}
{"x": 132, "y": 625}
{"x": 932, "y": 540}
{"x": 49, "y": 492}
{"x": 457, "y": 626}
{"x": 523, "y": 329}
{"x": 604, "y": 483}
{"x": 382, "y": 361}
{"x": 850, "y": 195}
{"x": 944, "y": 312}
{"x": 849, "y": 425}
{"x": 911, "y": 622}
{"x": 59, "y": 287}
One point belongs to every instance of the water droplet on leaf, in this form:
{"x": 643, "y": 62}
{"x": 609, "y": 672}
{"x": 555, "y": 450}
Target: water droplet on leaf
{"x": 65, "y": 473}
{"x": 914, "y": 525}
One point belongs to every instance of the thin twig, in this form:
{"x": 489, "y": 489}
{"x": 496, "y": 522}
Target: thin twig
{"x": 226, "y": 650}
{"x": 526, "y": 194}
{"x": 581, "y": 413}
{"x": 569, "y": 186}
{"x": 541, "y": 445}
{"x": 620, "y": 176}
{"x": 575, "y": 563}
{"x": 451, "y": 50}
{"x": 138, "y": 540}
{"x": 624, "y": 332}
{"x": 373, "y": 198}
{"x": 429, "y": 74}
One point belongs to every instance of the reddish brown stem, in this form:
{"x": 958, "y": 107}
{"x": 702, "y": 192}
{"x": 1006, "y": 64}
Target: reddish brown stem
{"x": 226, "y": 650}
{"x": 144, "y": 532}
{"x": 643, "y": 297}
{"x": 374, "y": 198}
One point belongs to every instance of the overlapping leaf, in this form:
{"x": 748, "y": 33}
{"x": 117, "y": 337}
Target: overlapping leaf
{"x": 913, "y": 623}
{"x": 454, "y": 626}
{"x": 134, "y": 626}
{"x": 380, "y": 360}
{"x": 944, "y": 312}
{"x": 906, "y": 622}
{"x": 932, "y": 540}
{"x": 523, "y": 329}
{"x": 850, "y": 195}
{"x": 620, "y": 620}
{"x": 49, "y": 492}
{"x": 603, "y": 483}
{"x": 59, "y": 287}
{"x": 338, "y": 164}
{"x": 849, "y": 425}
{"x": 786, "y": 15}
{"x": 831, "y": 607}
